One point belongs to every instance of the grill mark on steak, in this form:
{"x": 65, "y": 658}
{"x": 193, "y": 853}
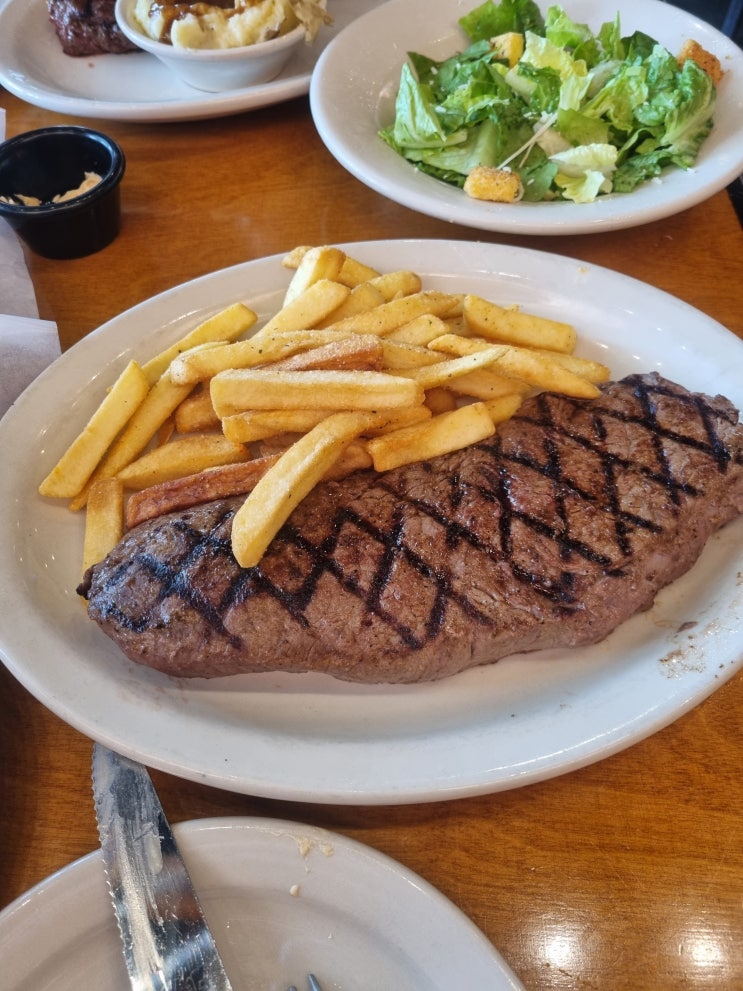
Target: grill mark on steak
{"x": 537, "y": 514}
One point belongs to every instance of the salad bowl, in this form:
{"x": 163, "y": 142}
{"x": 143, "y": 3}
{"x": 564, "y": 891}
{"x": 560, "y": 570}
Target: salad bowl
{"x": 369, "y": 56}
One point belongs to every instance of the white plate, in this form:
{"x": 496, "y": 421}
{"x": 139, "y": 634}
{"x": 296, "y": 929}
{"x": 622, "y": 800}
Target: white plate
{"x": 309, "y": 737}
{"x": 355, "y": 83}
{"x": 135, "y": 86}
{"x": 282, "y": 900}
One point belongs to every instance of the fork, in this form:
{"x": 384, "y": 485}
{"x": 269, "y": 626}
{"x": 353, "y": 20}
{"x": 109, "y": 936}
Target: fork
{"x": 312, "y": 981}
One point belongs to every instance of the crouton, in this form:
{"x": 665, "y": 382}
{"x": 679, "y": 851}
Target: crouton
{"x": 508, "y": 46}
{"x": 705, "y": 60}
{"x": 484, "y": 182}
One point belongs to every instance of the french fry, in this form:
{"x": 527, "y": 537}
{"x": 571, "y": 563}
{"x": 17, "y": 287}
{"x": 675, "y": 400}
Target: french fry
{"x": 594, "y": 371}
{"x": 363, "y": 351}
{"x": 420, "y": 330}
{"x": 397, "y": 418}
{"x": 360, "y": 299}
{"x": 539, "y": 369}
{"x": 104, "y": 520}
{"x": 398, "y": 355}
{"x": 446, "y": 432}
{"x": 353, "y": 272}
{"x": 485, "y": 384}
{"x": 307, "y": 309}
{"x": 219, "y": 482}
{"x": 512, "y": 326}
{"x": 389, "y": 316}
{"x": 321, "y": 262}
{"x": 198, "y": 366}
{"x": 503, "y": 408}
{"x": 393, "y": 285}
{"x": 443, "y": 373}
{"x": 71, "y": 473}
{"x": 253, "y": 425}
{"x": 286, "y": 484}
{"x": 157, "y": 406}
{"x": 234, "y": 391}
{"x": 227, "y": 325}
{"x": 355, "y": 457}
{"x": 182, "y": 456}
{"x": 196, "y": 412}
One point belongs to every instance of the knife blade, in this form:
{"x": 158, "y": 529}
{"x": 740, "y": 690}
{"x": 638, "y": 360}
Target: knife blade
{"x": 166, "y": 939}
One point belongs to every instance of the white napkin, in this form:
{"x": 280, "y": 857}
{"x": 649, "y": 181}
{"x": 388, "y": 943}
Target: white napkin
{"x": 27, "y": 344}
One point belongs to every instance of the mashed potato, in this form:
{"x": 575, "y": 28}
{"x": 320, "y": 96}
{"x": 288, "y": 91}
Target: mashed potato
{"x": 226, "y": 25}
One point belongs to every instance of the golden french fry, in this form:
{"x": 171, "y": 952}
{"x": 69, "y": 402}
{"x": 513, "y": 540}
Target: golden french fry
{"x": 540, "y": 370}
{"x": 198, "y": 366}
{"x": 219, "y": 482}
{"x": 594, "y": 371}
{"x": 104, "y": 520}
{"x": 68, "y": 477}
{"x": 354, "y": 272}
{"x": 485, "y": 384}
{"x": 512, "y": 326}
{"x": 361, "y": 298}
{"x": 354, "y": 458}
{"x": 286, "y": 484}
{"x": 504, "y": 407}
{"x": 443, "y": 373}
{"x": 421, "y": 330}
{"x": 446, "y": 432}
{"x": 387, "y": 317}
{"x": 227, "y": 325}
{"x": 543, "y": 373}
{"x": 362, "y": 351}
{"x": 196, "y": 412}
{"x": 156, "y": 408}
{"x": 394, "y": 419}
{"x": 240, "y": 389}
{"x": 307, "y": 309}
{"x": 321, "y": 262}
{"x": 393, "y": 285}
{"x": 253, "y": 425}
{"x": 398, "y": 354}
{"x": 182, "y": 456}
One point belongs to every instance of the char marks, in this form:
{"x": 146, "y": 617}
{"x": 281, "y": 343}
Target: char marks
{"x": 553, "y": 532}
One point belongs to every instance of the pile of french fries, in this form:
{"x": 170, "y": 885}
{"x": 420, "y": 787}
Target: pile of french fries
{"x": 357, "y": 369}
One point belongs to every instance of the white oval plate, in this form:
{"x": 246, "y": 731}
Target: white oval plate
{"x": 135, "y": 86}
{"x": 354, "y": 85}
{"x": 282, "y": 900}
{"x": 309, "y": 737}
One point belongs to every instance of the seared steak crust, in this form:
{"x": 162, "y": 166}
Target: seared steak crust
{"x": 551, "y": 534}
{"x": 88, "y": 27}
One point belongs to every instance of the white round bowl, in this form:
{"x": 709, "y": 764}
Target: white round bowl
{"x": 214, "y": 69}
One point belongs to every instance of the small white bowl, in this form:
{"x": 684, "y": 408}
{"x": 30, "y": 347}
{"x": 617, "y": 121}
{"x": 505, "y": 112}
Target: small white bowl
{"x": 214, "y": 69}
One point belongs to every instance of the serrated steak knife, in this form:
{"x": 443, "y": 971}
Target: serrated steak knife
{"x": 167, "y": 942}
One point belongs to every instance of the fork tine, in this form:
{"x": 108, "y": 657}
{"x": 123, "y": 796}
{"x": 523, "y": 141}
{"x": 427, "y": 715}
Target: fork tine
{"x": 314, "y": 986}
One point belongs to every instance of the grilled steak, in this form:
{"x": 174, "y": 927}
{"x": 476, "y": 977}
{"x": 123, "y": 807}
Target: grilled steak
{"x": 550, "y": 534}
{"x": 88, "y": 27}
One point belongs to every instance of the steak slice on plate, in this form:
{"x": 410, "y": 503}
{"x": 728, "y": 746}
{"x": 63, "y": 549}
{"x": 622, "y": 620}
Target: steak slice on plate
{"x": 88, "y": 27}
{"x": 550, "y": 534}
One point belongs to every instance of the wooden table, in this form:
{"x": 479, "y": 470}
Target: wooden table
{"x": 627, "y": 874}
